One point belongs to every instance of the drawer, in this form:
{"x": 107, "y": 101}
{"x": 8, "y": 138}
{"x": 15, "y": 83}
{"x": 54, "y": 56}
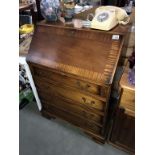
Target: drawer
{"x": 72, "y": 119}
{"x": 72, "y": 108}
{"x": 128, "y": 100}
{"x": 74, "y": 96}
{"x": 76, "y": 83}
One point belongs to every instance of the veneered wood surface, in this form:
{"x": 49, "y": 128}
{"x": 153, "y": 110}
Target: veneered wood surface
{"x": 78, "y": 110}
{"x": 75, "y": 54}
{"x": 88, "y": 54}
{"x": 72, "y": 118}
{"x": 63, "y": 79}
{"x": 68, "y": 93}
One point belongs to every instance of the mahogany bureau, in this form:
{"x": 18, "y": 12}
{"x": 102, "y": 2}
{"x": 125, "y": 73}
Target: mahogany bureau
{"x": 73, "y": 71}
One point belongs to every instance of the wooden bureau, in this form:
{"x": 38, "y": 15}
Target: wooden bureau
{"x": 73, "y": 71}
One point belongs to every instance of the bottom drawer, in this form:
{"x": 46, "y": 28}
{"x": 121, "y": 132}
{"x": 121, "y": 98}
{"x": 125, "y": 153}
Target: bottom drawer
{"x": 72, "y": 119}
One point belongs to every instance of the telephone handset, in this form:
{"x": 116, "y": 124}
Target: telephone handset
{"x": 107, "y": 17}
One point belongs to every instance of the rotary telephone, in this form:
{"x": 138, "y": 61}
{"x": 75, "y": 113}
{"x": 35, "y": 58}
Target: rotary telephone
{"x": 107, "y": 17}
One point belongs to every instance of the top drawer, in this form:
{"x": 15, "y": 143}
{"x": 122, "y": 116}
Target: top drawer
{"x": 76, "y": 83}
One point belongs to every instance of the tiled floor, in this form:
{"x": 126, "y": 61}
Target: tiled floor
{"x": 39, "y": 136}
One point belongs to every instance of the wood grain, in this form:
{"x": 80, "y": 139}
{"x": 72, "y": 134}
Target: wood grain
{"x": 73, "y": 119}
{"x": 73, "y": 54}
{"x": 67, "y": 93}
{"x": 63, "y": 79}
{"x": 73, "y": 70}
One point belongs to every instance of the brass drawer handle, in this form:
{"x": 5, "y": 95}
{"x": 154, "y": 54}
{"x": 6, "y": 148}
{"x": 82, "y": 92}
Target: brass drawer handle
{"x": 84, "y": 99}
{"x": 85, "y": 87}
{"x": 91, "y": 102}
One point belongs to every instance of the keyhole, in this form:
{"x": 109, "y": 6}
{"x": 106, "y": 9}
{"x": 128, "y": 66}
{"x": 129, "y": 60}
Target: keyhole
{"x": 87, "y": 85}
{"x": 78, "y": 83}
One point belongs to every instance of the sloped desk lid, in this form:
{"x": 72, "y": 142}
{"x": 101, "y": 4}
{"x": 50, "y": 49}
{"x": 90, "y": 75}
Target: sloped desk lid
{"x": 86, "y": 53}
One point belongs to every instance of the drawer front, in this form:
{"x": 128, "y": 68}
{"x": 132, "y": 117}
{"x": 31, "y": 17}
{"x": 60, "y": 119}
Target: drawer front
{"x": 62, "y": 104}
{"x": 128, "y": 100}
{"x": 81, "y": 85}
{"x": 76, "y": 96}
{"x": 72, "y": 119}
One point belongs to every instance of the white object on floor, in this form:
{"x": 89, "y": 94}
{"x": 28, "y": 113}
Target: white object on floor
{"x": 22, "y": 60}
